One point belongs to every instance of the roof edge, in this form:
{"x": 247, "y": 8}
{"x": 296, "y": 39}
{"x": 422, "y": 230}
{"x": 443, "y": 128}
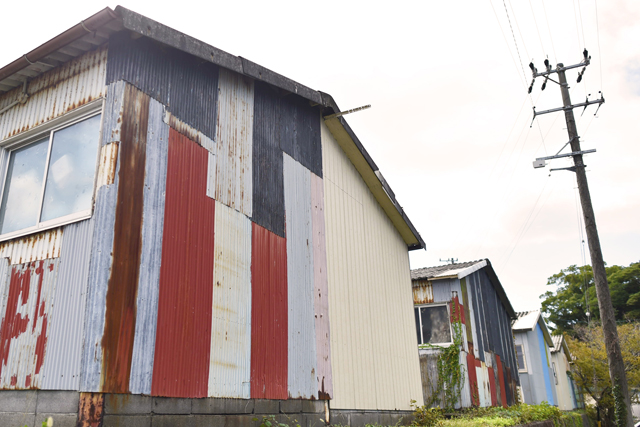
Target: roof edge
{"x": 467, "y": 271}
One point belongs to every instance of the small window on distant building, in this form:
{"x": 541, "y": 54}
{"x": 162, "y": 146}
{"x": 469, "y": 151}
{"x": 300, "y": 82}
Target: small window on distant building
{"x": 433, "y": 324}
{"x": 522, "y": 364}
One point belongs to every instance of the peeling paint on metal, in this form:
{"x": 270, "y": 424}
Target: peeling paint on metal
{"x": 211, "y": 176}
{"x": 55, "y": 93}
{"x": 234, "y": 139}
{"x": 24, "y": 330}
{"x": 230, "y": 367}
{"x": 151, "y": 253}
{"x": 34, "y": 247}
{"x": 321, "y": 291}
{"x": 107, "y": 165}
{"x": 90, "y": 410}
{"x": 61, "y": 369}
{"x": 190, "y": 132}
{"x": 302, "y": 366}
{"x": 104, "y": 216}
{"x": 269, "y": 313}
{"x": 183, "y": 337}
{"x": 422, "y": 293}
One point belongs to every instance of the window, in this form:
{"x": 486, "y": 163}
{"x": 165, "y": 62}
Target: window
{"x": 522, "y": 365}
{"x": 49, "y": 177}
{"x": 433, "y": 324}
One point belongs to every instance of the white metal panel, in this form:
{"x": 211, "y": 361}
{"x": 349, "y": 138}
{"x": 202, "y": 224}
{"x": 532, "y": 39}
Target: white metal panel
{"x": 373, "y": 341}
{"x": 56, "y": 92}
{"x": 34, "y": 247}
{"x": 211, "y": 176}
{"x": 107, "y": 164}
{"x": 61, "y": 369}
{"x": 234, "y": 142}
{"x": 24, "y": 330}
{"x": 230, "y": 366}
{"x": 465, "y": 394}
{"x": 302, "y": 367}
{"x": 151, "y": 253}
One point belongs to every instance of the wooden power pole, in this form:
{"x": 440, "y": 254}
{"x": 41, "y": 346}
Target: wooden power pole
{"x": 607, "y": 316}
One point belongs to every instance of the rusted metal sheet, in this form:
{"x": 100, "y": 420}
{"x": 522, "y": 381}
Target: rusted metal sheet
{"x": 269, "y": 314}
{"x": 492, "y": 386}
{"x": 321, "y": 292}
{"x": 473, "y": 380}
{"x": 183, "y": 336}
{"x": 268, "y": 190}
{"x": 188, "y": 86}
{"x": 55, "y": 93}
{"x": 104, "y": 216}
{"x": 230, "y": 366}
{"x": 91, "y": 410}
{"x": 503, "y": 392}
{"x": 302, "y": 365}
{"x": 24, "y": 329}
{"x": 155, "y": 179}
{"x": 107, "y": 164}
{"x": 61, "y": 370}
{"x": 122, "y": 288}
{"x": 34, "y": 247}
{"x": 234, "y": 139}
{"x": 190, "y": 132}
{"x": 422, "y": 293}
{"x": 484, "y": 387}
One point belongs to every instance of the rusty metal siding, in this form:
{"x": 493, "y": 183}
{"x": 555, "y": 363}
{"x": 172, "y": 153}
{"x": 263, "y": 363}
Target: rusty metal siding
{"x": 268, "y": 187}
{"x": 321, "y": 292}
{"x": 269, "y": 313}
{"x": 299, "y": 132}
{"x": 183, "y": 336}
{"x": 422, "y": 292}
{"x": 187, "y": 85}
{"x": 61, "y": 370}
{"x": 302, "y": 364}
{"x": 34, "y": 247}
{"x": 151, "y": 252}
{"x": 234, "y": 138}
{"x": 230, "y": 365}
{"x": 25, "y": 327}
{"x": 101, "y": 249}
{"x": 55, "y": 92}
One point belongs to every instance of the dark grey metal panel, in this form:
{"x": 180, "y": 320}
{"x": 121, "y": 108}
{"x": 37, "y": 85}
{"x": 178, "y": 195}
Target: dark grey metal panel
{"x": 474, "y": 294}
{"x": 299, "y": 132}
{"x": 187, "y": 85}
{"x": 268, "y": 187}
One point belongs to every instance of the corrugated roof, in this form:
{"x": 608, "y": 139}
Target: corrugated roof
{"x": 441, "y": 271}
{"x": 97, "y": 29}
{"x": 526, "y": 321}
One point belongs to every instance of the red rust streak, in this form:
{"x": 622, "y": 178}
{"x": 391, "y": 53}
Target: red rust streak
{"x": 120, "y": 317}
{"x": 269, "y": 314}
{"x": 183, "y": 338}
{"x": 503, "y": 390}
{"x": 473, "y": 379}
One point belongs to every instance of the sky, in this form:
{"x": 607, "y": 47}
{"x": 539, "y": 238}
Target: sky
{"x": 449, "y": 126}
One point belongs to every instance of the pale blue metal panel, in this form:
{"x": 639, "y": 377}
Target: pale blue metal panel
{"x": 300, "y": 273}
{"x": 61, "y": 369}
{"x": 442, "y": 290}
{"x": 151, "y": 253}
{"x": 104, "y": 217}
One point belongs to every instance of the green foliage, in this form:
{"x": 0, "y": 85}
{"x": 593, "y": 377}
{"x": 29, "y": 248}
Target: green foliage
{"x": 451, "y": 374}
{"x": 426, "y": 416}
{"x": 270, "y": 421}
{"x": 620, "y": 409}
{"x": 566, "y": 307}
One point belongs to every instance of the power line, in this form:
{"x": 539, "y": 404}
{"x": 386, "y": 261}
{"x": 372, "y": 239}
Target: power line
{"x": 537, "y": 30}
{"x": 514, "y": 39}
{"x": 555, "y": 57}
{"x": 524, "y": 83}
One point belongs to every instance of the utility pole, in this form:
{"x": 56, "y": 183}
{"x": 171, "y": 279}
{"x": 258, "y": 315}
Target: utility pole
{"x": 607, "y": 317}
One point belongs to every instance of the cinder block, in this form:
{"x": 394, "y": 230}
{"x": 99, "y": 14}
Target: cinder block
{"x": 57, "y": 402}
{"x": 239, "y": 406}
{"x": 17, "y": 419}
{"x": 209, "y": 420}
{"x": 361, "y": 419}
{"x": 291, "y": 406}
{"x": 126, "y": 404}
{"x": 173, "y": 421}
{"x": 222, "y": 406}
{"x": 126, "y": 420}
{"x": 59, "y": 420}
{"x": 339, "y": 418}
{"x": 240, "y": 421}
{"x": 171, "y": 405}
{"x": 18, "y": 401}
{"x": 313, "y": 420}
{"x": 266, "y": 406}
{"x": 312, "y": 406}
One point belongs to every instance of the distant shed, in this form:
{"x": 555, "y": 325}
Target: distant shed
{"x": 471, "y": 293}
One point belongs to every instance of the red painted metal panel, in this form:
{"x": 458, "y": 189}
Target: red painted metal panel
{"x": 473, "y": 379}
{"x": 183, "y": 338}
{"x": 457, "y": 311}
{"x": 503, "y": 391}
{"x": 492, "y": 384}
{"x": 269, "y": 313}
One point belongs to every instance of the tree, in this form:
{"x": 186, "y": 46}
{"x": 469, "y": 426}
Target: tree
{"x": 589, "y": 367}
{"x": 567, "y": 306}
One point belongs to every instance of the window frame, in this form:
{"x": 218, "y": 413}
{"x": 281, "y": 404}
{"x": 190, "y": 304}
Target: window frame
{"x": 39, "y": 133}
{"x": 524, "y": 358}
{"x": 427, "y": 345}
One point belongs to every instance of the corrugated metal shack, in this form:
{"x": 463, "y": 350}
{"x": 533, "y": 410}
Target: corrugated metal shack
{"x": 569, "y": 395}
{"x": 470, "y": 295}
{"x": 217, "y": 250}
{"x": 533, "y": 351}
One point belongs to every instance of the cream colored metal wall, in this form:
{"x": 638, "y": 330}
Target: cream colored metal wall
{"x": 563, "y": 388}
{"x": 373, "y": 341}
